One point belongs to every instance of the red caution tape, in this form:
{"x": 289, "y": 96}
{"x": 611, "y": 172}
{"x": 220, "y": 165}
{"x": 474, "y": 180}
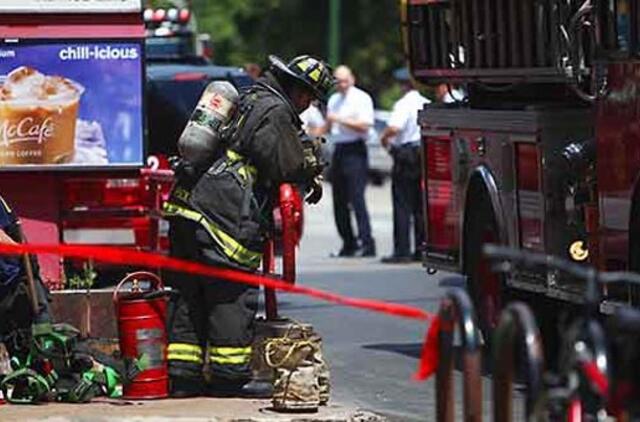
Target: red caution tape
{"x": 122, "y": 256}
{"x": 429, "y": 356}
{"x": 599, "y": 380}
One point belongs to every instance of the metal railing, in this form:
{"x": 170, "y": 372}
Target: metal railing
{"x": 456, "y": 310}
{"x": 597, "y": 374}
{"x": 517, "y": 334}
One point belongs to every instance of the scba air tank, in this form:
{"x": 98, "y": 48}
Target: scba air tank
{"x": 201, "y": 138}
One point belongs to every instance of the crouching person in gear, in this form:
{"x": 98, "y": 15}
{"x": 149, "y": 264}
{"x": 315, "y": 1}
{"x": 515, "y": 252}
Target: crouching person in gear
{"x": 17, "y": 313}
{"x": 221, "y": 220}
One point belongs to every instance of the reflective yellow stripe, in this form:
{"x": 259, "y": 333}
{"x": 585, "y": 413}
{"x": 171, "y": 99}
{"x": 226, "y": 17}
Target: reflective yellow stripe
{"x": 229, "y": 360}
{"x": 185, "y": 352}
{"x": 230, "y": 351}
{"x": 315, "y": 74}
{"x": 184, "y": 357}
{"x": 245, "y": 170}
{"x": 230, "y": 355}
{"x": 229, "y": 245}
{"x": 185, "y": 348}
{"x": 234, "y": 156}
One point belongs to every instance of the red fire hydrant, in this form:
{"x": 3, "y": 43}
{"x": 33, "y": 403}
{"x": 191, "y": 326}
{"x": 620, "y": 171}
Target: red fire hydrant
{"x": 143, "y": 336}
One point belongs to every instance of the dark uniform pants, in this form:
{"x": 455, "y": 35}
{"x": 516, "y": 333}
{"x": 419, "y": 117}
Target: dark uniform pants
{"x": 349, "y": 172}
{"x": 16, "y": 315}
{"x": 407, "y": 199}
{"x": 210, "y": 323}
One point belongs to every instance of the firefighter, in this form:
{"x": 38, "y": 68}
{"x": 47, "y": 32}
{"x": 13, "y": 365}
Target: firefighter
{"x": 221, "y": 220}
{"x": 16, "y": 312}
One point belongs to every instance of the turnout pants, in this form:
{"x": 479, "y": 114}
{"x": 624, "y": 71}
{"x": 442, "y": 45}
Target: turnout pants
{"x": 349, "y": 172}
{"x": 210, "y": 323}
{"x": 407, "y": 199}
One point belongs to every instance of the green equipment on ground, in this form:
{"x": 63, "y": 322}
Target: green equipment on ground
{"x": 52, "y": 369}
{"x": 55, "y": 371}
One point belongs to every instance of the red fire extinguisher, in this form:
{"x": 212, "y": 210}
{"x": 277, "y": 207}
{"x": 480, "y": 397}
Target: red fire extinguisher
{"x": 143, "y": 335}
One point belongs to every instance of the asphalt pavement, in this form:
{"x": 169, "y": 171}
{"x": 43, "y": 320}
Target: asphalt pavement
{"x": 372, "y": 356}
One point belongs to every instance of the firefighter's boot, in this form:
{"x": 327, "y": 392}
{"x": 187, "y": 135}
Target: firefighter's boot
{"x": 183, "y": 387}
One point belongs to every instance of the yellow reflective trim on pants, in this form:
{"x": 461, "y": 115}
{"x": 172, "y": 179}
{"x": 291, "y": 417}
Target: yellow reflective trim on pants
{"x": 184, "y": 357}
{"x": 185, "y": 352}
{"x": 229, "y": 245}
{"x": 229, "y": 360}
{"x": 230, "y": 355}
{"x": 230, "y": 351}
{"x": 185, "y": 348}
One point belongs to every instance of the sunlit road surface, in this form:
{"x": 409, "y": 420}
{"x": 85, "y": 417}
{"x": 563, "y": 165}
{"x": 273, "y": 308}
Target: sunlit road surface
{"x": 372, "y": 356}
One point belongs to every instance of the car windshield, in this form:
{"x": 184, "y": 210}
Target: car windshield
{"x": 169, "y": 47}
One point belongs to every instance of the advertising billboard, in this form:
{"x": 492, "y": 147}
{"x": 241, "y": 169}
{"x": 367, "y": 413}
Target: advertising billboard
{"x": 71, "y": 104}
{"x": 70, "y": 6}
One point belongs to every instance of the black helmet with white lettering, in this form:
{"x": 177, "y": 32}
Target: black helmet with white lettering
{"x": 312, "y": 73}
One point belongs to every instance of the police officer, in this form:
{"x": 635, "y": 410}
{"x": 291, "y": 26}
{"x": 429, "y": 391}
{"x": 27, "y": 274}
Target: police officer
{"x": 16, "y": 311}
{"x": 402, "y": 138}
{"x": 221, "y": 221}
{"x": 350, "y": 115}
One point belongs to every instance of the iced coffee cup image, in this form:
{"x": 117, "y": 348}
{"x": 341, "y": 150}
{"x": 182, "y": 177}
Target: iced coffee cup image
{"x": 38, "y": 115}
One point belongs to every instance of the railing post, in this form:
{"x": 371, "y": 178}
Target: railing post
{"x": 456, "y": 308}
{"x": 517, "y": 332}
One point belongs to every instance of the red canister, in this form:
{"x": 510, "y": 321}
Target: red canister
{"x": 143, "y": 336}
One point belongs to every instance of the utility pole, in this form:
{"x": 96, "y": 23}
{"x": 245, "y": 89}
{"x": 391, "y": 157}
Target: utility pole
{"x": 334, "y": 32}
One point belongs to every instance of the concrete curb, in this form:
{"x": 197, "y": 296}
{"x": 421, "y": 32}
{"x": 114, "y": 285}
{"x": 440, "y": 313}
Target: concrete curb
{"x": 186, "y": 410}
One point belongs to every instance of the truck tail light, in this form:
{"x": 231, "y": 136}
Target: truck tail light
{"x": 530, "y": 199}
{"x": 442, "y": 213}
{"x": 104, "y": 193}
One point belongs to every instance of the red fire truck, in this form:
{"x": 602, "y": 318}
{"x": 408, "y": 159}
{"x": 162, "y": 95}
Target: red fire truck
{"x": 542, "y": 152}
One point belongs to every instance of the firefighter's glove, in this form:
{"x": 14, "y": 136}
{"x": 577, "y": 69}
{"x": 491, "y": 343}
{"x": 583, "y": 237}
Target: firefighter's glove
{"x": 313, "y": 162}
{"x": 314, "y": 191}
{"x": 182, "y": 168}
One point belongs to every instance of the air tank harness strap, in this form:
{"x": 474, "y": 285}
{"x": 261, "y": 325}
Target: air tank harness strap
{"x": 244, "y": 170}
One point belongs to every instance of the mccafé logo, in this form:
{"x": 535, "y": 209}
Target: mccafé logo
{"x": 26, "y": 130}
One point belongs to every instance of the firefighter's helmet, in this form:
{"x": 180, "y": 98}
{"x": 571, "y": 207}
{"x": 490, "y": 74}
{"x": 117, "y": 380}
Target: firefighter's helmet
{"x": 311, "y": 72}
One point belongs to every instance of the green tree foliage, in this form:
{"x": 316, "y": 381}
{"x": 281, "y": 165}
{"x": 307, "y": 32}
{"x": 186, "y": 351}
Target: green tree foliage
{"x": 246, "y": 31}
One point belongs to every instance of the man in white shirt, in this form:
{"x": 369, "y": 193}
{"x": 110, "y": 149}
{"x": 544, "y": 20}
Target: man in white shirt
{"x": 349, "y": 118}
{"x": 313, "y": 122}
{"x": 402, "y": 138}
